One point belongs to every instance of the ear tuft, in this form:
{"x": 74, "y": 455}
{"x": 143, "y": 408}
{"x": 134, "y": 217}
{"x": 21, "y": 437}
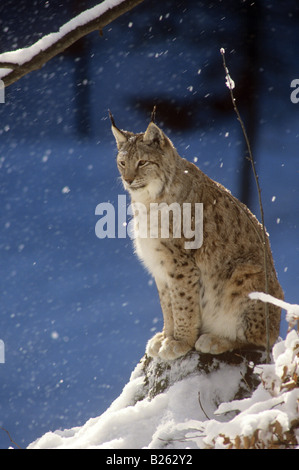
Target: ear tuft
{"x": 154, "y": 134}
{"x": 120, "y": 137}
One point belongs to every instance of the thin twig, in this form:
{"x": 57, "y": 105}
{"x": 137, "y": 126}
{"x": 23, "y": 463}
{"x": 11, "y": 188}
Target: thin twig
{"x": 230, "y": 85}
{"x": 182, "y": 439}
{"x": 200, "y": 404}
{"x": 11, "y": 440}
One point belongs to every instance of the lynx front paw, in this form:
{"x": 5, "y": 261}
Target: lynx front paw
{"x": 154, "y": 344}
{"x": 210, "y": 344}
{"x": 172, "y": 349}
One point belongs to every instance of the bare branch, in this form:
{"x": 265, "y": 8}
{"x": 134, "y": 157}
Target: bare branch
{"x": 9, "y": 436}
{"x": 230, "y": 84}
{"x": 200, "y": 404}
{"x": 65, "y": 40}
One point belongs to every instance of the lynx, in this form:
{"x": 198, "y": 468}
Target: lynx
{"x": 204, "y": 291}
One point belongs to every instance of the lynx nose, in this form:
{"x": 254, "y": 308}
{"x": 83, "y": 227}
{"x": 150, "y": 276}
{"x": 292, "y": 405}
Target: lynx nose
{"x": 129, "y": 179}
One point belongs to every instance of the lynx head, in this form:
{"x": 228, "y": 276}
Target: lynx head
{"x": 145, "y": 161}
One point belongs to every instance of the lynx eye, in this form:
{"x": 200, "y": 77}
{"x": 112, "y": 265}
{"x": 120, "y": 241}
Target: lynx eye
{"x": 142, "y": 163}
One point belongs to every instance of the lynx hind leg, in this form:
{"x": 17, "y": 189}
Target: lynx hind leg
{"x": 250, "y": 332}
{"x": 212, "y": 344}
{"x": 255, "y": 324}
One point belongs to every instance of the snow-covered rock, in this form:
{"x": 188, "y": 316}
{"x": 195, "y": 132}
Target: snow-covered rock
{"x": 165, "y": 404}
{"x": 200, "y": 401}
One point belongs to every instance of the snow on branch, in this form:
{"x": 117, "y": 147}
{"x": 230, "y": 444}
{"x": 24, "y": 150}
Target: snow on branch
{"x": 15, "y": 64}
{"x": 292, "y": 310}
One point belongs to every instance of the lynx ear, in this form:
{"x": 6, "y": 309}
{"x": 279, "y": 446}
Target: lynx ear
{"x": 120, "y": 137}
{"x": 154, "y": 134}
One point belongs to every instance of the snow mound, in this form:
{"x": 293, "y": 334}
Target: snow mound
{"x": 270, "y": 418}
{"x": 134, "y": 420}
{"x": 199, "y": 402}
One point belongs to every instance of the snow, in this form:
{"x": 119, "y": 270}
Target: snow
{"x": 270, "y": 405}
{"x": 176, "y": 418}
{"x": 20, "y": 56}
{"x": 229, "y": 82}
{"x": 148, "y": 423}
{"x": 292, "y": 309}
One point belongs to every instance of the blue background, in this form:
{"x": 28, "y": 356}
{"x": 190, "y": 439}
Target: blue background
{"x": 76, "y": 311}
